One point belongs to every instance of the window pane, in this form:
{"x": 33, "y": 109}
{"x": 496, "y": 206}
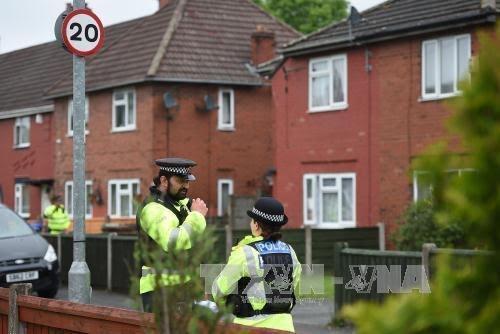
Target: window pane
{"x": 26, "y": 198}
{"x": 347, "y": 199}
{"x": 338, "y": 78}
{"x": 135, "y": 193}
{"x": 330, "y": 207}
{"x": 120, "y": 116}
{"x": 430, "y": 68}
{"x": 447, "y": 66}
{"x": 125, "y": 205}
{"x": 225, "y": 198}
{"x": 69, "y": 194}
{"x": 309, "y": 200}
{"x": 113, "y": 199}
{"x": 463, "y": 45}
{"x": 424, "y": 186}
{"x": 119, "y": 96}
{"x": 226, "y": 108}
{"x": 320, "y": 91}
{"x": 88, "y": 204}
{"x": 320, "y": 66}
{"x": 330, "y": 182}
{"x": 130, "y": 119}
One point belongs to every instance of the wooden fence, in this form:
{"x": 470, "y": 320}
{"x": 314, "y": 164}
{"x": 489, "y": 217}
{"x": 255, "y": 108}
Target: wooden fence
{"x": 35, "y": 315}
{"x": 110, "y": 257}
{"x": 359, "y": 272}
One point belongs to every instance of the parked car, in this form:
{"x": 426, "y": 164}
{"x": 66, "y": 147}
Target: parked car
{"x": 25, "y": 256}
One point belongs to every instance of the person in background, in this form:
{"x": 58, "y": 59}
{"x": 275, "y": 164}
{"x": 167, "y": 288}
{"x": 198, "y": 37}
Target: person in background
{"x": 58, "y": 219}
{"x": 262, "y": 273}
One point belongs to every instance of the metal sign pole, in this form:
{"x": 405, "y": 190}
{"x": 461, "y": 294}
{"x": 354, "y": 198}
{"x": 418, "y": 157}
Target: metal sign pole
{"x": 79, "y": 275}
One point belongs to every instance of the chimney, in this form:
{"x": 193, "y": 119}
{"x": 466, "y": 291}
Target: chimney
{"x": 164, "y": 3}
{"x": 263, "y": 45}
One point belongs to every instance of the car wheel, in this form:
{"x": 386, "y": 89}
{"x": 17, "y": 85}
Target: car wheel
{"x": 48, "y": 293}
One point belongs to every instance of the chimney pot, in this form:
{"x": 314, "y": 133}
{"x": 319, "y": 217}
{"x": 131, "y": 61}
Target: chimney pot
{"x": 164, "y": 3}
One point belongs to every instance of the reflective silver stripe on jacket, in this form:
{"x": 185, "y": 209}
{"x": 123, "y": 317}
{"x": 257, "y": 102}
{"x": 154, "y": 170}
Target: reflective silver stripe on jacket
{"x": 252, "y": 266}
{"x": 174, "y": 235}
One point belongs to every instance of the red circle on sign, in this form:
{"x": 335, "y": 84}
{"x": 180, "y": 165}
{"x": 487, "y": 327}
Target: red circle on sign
{"x": 67, "y": 41}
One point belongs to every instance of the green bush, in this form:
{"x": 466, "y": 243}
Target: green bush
{"x": 418, "y": 226}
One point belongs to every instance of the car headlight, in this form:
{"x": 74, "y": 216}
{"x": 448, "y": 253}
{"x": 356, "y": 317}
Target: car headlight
{"x": 50, "y": 255}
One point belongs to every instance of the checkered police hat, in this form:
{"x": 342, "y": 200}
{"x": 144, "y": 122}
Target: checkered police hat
{"x": 269, "y": 211}
{"x": 177, "y": 166}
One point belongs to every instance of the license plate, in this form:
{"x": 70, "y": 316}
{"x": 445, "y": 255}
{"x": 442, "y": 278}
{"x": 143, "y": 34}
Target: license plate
{"x": 23, "y": 276}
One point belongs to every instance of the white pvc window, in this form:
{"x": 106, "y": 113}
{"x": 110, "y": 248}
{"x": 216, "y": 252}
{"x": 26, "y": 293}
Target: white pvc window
{"x": 445, "y": 61}
{"x": 225, "y": 119}
{"x": 70, "y": 116}
{"x": 329, "y": 200}
{"x": 328, "y": 83}
{"x": 124, "y": 110}
{"x": 22, "y": 132}
{"x": 122, "y": 198}
{"x": 68, "y": 198}
{"x": 224, "y": 192}
{"x": 22, "y": 199}
{"x": 423, "y": 186}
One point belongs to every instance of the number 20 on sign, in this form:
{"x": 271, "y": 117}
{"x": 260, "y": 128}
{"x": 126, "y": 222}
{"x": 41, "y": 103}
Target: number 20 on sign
{"x": 82, "y": 32}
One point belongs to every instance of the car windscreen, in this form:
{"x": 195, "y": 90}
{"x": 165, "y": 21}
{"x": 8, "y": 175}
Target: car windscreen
{"x": 12, "y": 225}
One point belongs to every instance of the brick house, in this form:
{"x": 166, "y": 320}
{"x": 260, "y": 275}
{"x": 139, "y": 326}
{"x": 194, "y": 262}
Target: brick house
{"x": 358, "y": 100}
{"x": 181, "y": 82}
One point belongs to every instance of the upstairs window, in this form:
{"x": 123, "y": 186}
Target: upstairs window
{"x": 445, "y": 62}
{"x": 124, "y": 113}
{"x": 330, "y": 200}
{"x": 328, "y": 83}
{"x": 22, "y": 132}
{"x": 226, "y": 110}
{"x": 70, "y": 116}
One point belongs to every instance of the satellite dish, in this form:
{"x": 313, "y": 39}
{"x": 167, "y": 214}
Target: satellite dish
{"x": 210, "y": 103}
{"x": 169, "y": 101}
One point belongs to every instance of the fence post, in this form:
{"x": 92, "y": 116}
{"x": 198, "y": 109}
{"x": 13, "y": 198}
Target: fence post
{"x": 339, "y": 275}
{"x": 381, "y": 236}
{"x": 59, "y": 246}
{"x": 308, "y": 245}
{"x": 15, "y": 327}
{"x": 426, "y": 250}
{"x": 109, "y": 248}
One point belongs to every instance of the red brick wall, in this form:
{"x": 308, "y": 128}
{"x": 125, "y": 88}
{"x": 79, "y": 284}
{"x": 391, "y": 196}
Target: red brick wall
{"x": 384, "y": 127}
{"x": 243, "y": 154}
{"x": 33, "y": 162}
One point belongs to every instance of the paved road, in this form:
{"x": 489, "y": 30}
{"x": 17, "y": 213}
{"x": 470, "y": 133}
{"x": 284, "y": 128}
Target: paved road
{"x": 311, "y": 316}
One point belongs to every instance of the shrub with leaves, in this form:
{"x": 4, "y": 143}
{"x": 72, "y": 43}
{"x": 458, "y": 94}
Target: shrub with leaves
{"x": 466, "y": 300}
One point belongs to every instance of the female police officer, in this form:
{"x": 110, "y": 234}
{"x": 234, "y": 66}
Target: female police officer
{"x": 262, "y": 272}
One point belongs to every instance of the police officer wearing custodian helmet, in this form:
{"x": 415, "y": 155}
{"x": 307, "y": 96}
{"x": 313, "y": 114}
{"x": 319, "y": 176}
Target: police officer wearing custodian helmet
{"x": 168, "y": 220}
{"x": 262, "y": 273}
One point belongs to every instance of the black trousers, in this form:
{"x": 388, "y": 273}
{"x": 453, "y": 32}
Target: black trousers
{"x": 147, "y": 302}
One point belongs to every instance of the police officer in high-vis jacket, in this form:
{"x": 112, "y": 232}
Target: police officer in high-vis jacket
{"x": 262, "y": 273}
{"x": 168, "y": 221}
{"x": 58, "y": 219}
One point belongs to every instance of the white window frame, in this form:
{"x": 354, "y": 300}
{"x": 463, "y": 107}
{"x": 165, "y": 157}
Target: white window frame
{"x": 124, "y": 102}
{"x": 69, "y": 199}
{"x": 437, "y": 74}
{"x": 318, "y": 190}
{"x": 118, "y": 182}
{"x": 220, "y": 183}
{"x": 19, "y": 200}
{"x": 220, "y": 124}
{"x": 70, "y": 116}
{"x": 417, "y": 173}
{"x": 331, "y": 106}
{"x": 19, "y": 124}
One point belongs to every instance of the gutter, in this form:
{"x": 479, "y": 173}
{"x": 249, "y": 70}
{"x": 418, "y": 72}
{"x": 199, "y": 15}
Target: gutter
{"x": 389, "y": 35}
{"x": 26, "y": 111}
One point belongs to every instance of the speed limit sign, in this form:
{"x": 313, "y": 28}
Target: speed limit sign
{"x": 82, "y": 32}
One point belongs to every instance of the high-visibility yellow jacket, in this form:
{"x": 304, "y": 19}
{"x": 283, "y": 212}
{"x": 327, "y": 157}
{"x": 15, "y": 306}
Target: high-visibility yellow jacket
{"x": 57, "y": 217}
{"x": 245, "y": 261}
{"x": 171, "y": 235}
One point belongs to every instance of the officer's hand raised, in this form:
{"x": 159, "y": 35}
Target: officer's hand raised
{"x": 199, "y": 205}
